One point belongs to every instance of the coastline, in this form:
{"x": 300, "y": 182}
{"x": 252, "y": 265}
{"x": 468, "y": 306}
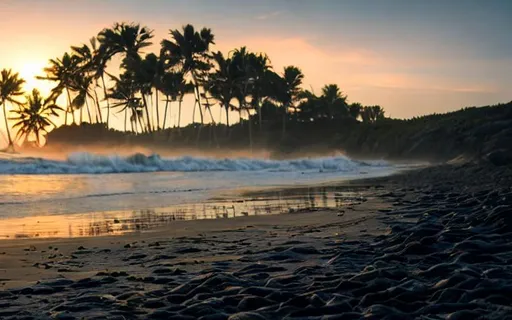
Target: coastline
{"x": 159, "y": 199}
{"x": 419, "y": 246}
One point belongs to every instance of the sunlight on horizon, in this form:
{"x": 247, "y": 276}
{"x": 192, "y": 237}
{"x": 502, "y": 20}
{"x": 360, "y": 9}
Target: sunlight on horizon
{"x": 417, "y": 72}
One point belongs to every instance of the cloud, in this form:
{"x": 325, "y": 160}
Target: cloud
{"x": 269, "y": 15}
{"x": 374, "y": 77}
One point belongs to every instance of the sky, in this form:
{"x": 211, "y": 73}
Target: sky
{"x": 411, "y": 57}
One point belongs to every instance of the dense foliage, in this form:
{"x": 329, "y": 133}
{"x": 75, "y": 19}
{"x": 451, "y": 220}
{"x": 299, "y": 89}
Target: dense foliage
{"x": 471, "y": 133}
{"x": 242, "y": 81}
{"x": 274, "y": 111}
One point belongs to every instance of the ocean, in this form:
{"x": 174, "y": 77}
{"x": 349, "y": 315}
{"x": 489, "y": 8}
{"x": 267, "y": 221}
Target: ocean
{"x": 37, "y": 194}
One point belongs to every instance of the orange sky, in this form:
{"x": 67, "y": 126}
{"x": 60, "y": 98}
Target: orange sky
{"x": 406, "y": 63}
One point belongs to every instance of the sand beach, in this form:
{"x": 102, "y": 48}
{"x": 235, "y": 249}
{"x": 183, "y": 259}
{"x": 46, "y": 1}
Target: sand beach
{"x": 427, "y": 244}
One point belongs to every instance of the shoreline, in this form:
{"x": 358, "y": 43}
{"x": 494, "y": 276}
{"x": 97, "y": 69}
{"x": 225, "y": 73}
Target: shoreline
{"x": 258, "y": 200}
{"x": 33, "y": 249}
{"x": 429, "y": 243}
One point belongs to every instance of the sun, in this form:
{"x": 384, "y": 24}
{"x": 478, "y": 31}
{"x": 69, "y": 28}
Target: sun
{"x": 29, "y": 70}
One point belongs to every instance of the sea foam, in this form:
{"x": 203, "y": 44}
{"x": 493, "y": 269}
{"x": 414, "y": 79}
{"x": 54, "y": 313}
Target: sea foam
{"x": 88, "y": 163}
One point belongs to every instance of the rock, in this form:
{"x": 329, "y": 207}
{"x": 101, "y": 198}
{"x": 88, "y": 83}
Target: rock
{"x": 500, "y": 157}
{"x": 247, "y": 316}
{"x": 63, "y": 316}
{"x": 154, "y": 304}
{"x": 253, "y": 303}
{"x": 188, "y": 250}
{"x": 216, "y": 316}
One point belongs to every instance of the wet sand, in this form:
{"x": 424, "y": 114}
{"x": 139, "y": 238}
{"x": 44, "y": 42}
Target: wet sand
{"x": 430, "y": 244}
{"x": 255, "y": 203}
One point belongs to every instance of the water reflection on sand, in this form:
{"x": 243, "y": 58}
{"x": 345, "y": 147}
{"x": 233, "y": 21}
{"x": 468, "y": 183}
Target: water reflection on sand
{"x": 120, "y": 222}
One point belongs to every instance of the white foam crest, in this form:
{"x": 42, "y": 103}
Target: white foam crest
{"x": 87, "y": 163}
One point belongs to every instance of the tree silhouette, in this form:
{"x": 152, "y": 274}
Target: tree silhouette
{"x": 126, "y": 39}
{"x": 372, "y": 114}
{"x": 124, "y": 92}
{"x": 240, "y": 80}
{"x": 188, "y": 50}
{"x": 10, "y": 88}
{"x": 63, "y": 70}
{"x": 90, "y": 64}
{"x": 34, "y": 117}
{"x": 289, "y": 91}
{"x": 355, "y": 110}
{"x": 334, "y": 101}
{"x": 81, "y": 84}
{"x": 222, "y": 85}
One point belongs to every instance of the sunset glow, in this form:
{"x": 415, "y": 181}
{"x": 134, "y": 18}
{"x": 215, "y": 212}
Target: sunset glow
{"x": 265, "y": 159}
{"x": 363, "y": 56}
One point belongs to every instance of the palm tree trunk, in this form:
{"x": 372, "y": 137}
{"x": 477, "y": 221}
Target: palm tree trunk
{"x": 88, "y": 111}
{"x": 250, "y": 131}
{"x": 11, "y": 144}
{"x": 198, "y": 98}
{"x": 157, "y": 111}
{"x": 227, "y": 115}
{"x": 69, "y": 107}
{"x": 170, "y": 114}
{"x": 73, "y": 116}
{"x": 97, "y": 100}
{"x": 179, "y": 110}
{"x": 138, "y": 124}
{"x": 227, "y": 131}
{"x": 125, "y": 119}
{"x": 81, "y": 113}
{"x": 260, "y": 116}
{"x": 201, "y": 116}
{"x": 106, "y": 98}
{"x": 194, "y": 112}
{"x": 97, "y": 111}
{"x": 147, "y": 111}
{"x": 165, "y": 111}
{"x": 284, "y": 120}
{"x": 214, "y": 125}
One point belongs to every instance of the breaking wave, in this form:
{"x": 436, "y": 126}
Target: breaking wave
{"x": 87, "y": 163}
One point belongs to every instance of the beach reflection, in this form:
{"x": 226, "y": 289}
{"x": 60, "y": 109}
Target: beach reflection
{"x": 120, "y": 222}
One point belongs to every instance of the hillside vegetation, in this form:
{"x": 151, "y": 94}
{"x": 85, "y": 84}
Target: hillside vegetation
{"x": 470, "y": 132}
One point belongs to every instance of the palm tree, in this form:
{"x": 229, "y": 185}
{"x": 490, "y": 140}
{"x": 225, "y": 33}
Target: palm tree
{"x": 81, "y": 85}
{"x": 311, "y": 107}
{"x": 90, "y": 64}
{"x": 124, "y": 93}
{"x": 334, "y": 101}
{"x": 244, "y": 80}
{"x": 10, "y": 88}
{"x": 355, "y": 110}
{"x": 222, "y": 83}
{"x": 169, "y": 86}
{"x": 100, "y": 65}
{"x": 136, "y": 119}
{"x": 184, "y": 88}
{"x": 259, "y": 67}
{"x": 188, "y": 50}
{"x": 149, "y": 73}
{"x": 290, "y": 92}
{"x": 126, "y": 39}
{"x": 372, "y": 114}
{"x": 33, "y": 117}
{"x": 63, "y": 71}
